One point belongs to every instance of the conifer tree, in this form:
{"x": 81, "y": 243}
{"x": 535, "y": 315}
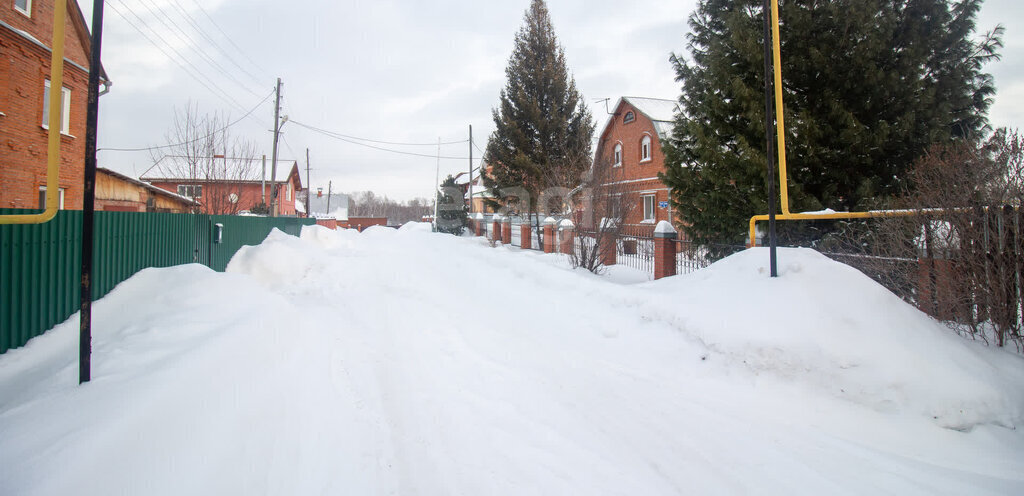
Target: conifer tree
{"x": 868, "y": 87}
{"x": 452, "y": 211}
{"x": 543, "y": 126}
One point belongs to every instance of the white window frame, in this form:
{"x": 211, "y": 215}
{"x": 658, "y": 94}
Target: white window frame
{"x": 649, "y": 199}
{"x": 288, "y": 192}
{"x": 27, "y": 10}
{"x": 60, "y": 198}
{"x": 629, "y": 117}
{"x": 617, "y": 155}
{"x": 65, "y": 111}
{"x": 645, "y": 148}
{"x": 186, "y": 189}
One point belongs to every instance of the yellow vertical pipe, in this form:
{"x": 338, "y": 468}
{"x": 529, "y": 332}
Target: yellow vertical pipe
{"x": 780, "y": 126}
{"x": 53, "y": 134}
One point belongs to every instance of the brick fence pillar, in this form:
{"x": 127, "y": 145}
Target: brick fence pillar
{"x": 478, "y": 225}
{"x": 506, "y": 230}
{"x": 549, "y": 235}
{"x": 496, "y": 228}
{"x": 525, "y": 235}
{"x": 566, "y": 236}
{"x": 607, "y": 248}
{"x": 664, "y": 250}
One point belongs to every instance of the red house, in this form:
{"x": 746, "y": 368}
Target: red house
{"x": 630, "y": 143}
{"x": 26, "y": 32}
{"x": 230, "y": 193}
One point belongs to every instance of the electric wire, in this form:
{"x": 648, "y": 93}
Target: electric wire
{"x": 142, "y": 149}
{"x": 348, "y": 140}
{"x": 357, "y": 138}
{"x": 199, "y": 29}
{"x": 194, "y": 72}
{"x": 173, "y": 27}
{"x": 214, "y": 23}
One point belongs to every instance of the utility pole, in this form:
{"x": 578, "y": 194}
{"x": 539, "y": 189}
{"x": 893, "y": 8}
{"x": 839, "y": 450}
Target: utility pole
{"x": 273, "y": 166}
{"x": 437, "y": 183}
{"x": 263, "y": 182}
{"x": 308, "y": 185}
{"x": 470, "y": 168}
{"x": 769, "y": 128}
{"x": 89, "y": 196}
{"x": 328, "y": 198}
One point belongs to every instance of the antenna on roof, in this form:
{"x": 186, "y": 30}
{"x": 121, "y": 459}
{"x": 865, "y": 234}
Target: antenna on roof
{"x": 605, "y": 100}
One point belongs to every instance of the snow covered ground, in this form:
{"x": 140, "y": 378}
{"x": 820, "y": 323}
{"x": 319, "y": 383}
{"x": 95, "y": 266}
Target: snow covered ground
{"x": 406, "y": 362}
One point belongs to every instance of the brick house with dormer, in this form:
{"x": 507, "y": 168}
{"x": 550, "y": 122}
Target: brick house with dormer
{"x": 26, "y": 33}
{"x": 630, "y": 143}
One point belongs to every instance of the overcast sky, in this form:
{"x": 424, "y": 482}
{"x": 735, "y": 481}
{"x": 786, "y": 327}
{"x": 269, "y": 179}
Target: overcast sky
{"x": 395, "y": 71}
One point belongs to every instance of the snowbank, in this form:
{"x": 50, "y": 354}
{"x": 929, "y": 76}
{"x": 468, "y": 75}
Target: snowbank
{"x": 407, "y": 362}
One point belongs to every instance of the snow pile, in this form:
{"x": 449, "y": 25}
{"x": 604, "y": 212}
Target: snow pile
{"x": 828, "y": 325}
{"x": 406, "y": 362}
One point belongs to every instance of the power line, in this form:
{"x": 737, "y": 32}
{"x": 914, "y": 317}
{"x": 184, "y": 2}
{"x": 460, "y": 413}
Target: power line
{"x": 184, "y": 66}
{"x": 357, "y": 138}
{"x": 195, "y": 25}
{"x": 180, "y": 33}
{"x": 347, "y": 140}
{"x": 193, "y": 140}
{"x": 201, "y": 9}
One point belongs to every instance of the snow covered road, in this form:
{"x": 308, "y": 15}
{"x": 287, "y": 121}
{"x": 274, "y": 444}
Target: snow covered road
{"x": 404, "y": 362}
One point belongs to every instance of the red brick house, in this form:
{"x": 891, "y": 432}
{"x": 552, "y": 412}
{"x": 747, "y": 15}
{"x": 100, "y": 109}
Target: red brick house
{"x": 26, "y": 32}
{"x": 630, "y": 143}
{"x": 232, "y": 194}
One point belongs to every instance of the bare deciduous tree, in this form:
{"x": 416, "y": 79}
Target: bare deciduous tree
{"x": 216, "y": 164}
{"x": 600, "y": 205}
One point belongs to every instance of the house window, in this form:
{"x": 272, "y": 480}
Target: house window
{"x": 618, "y": 155}
{"x": 288, "y": 193}
{"x": 65, "y": 110}
{"x": 190, "y": 190}
{"x": 23, "y": 6}
{"x": 645, "y": 149}
{"x": 648, "y": 208}
{"x": 42, "y": 198}
{"x": 629, "y": 117}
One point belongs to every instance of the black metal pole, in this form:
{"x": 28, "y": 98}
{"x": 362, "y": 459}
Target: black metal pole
{"x": 89, "y": 196}
{"x": 769, "y": 132}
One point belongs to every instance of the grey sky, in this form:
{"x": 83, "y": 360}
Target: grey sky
{"x": 399, "y": 71}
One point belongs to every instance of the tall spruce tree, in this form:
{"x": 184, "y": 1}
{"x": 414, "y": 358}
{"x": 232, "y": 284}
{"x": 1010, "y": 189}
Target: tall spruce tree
{"x": 868, "y": 86}
{"x": 542, "y": 125}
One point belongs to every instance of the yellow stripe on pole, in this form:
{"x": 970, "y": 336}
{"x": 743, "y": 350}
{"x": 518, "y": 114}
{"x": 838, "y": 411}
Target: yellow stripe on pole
{"x": 53, "y": 135}
{"x": 780, "y": 126}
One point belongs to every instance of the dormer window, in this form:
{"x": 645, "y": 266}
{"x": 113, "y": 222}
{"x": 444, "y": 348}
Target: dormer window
{"x": 645, "y": 149}
{"x": 629, "y": 117}
{"x": 618, "y": 155}
{"x": 23, "y": 6}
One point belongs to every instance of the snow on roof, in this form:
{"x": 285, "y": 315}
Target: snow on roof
{"x": 179, "y": 172}
{"x": 659, "y": 110}
{"x": 150, "y": 187}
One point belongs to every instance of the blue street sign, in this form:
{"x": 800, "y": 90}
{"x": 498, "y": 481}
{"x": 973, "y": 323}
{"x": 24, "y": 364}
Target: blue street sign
{"x": 663, "y": 204}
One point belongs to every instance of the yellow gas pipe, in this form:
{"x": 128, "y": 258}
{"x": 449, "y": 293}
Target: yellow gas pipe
{"x": 53, "y": 134}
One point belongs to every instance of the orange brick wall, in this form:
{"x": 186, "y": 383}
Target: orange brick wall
{"x": 639, "y": 177}
{"x": 24, "y": 67}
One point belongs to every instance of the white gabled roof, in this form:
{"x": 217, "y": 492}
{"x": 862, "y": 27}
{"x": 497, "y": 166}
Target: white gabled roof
{"x": 660, "y": 111}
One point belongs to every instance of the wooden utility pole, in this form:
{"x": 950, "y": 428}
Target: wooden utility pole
{"x": 263, "y": 183}
{"x": 308, "y": 185}
{"x": 273, "y": 165}
{"x": 470, "y": 168}
{"x": 328, "y": 198}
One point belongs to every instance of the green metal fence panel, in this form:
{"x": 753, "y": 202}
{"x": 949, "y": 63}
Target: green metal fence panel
{"x": 241, "y": 231}
{"x": 40, "y": 264}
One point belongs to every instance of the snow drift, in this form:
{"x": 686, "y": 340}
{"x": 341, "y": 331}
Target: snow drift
{"x": 406, "y": 362}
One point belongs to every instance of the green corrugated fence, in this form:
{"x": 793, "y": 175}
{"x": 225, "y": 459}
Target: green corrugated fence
{"x": 40, "y": 264}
